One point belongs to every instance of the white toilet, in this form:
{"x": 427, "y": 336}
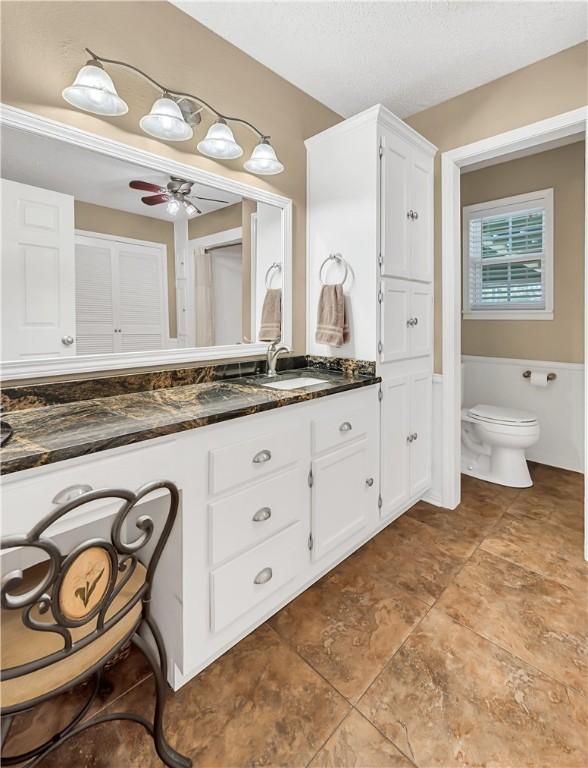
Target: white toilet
{"x": 493, "y": 444}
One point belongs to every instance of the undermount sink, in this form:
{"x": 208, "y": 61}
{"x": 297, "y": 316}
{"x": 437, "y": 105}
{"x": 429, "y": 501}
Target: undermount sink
{"x": 299, "y": 383}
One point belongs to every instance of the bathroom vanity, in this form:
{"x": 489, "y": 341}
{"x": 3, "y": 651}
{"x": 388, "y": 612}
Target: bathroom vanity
{"x": 269, "y": 501}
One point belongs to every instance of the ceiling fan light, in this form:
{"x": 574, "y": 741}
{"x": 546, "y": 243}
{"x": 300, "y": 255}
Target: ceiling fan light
{"x": 190, "y": 209}
{"x": 263, "y": 160}
{"x": 173, "y": 207}
{"x": 165, "y": 121}
{"x": 220, "y": 143}
{"x": 94, "y": 91}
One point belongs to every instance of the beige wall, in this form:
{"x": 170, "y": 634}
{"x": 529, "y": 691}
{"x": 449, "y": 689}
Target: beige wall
{"x": 42, "y": 45}
{"x": 216, "y": 221}
{"x": 108, "y": 221}
{"x": 560, "y": 339}
{"x": 548, "y": 87}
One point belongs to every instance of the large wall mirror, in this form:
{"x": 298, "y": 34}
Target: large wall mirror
{"x": 113, "y": 257}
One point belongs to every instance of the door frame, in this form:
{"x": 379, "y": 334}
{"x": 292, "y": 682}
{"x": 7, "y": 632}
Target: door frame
{"x": 514, "y": 143}
{"x": 224, "y": 237}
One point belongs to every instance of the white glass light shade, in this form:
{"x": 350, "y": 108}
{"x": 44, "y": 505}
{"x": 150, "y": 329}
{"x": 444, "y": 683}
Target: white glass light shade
{"x": 263, "y": 160}
{"x": 94, "y": 91}
{"x": 173, "y": 207}
{"x": 190, "y": 209}
{"x": 220, "y": 143}
{"x": 165, "y": 121}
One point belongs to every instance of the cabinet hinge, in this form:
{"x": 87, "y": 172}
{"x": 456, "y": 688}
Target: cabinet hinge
{"x": 380, "y": 297}
{"x": 310, "y": 541}
{"x": 380, "y": 259}
{"x": 310, "y": 478}
{"x": 380, "y": 347}
{"x": 380, "y": 394}
{"x": 380, "y": 502}
{"x": 381, "y": 151}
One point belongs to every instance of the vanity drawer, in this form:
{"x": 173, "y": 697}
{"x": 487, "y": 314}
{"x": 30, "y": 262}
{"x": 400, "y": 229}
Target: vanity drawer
{"x": 251, "y": 578}
{"x": 252, "y": 459}
{"x": 244, "y": 519}
{"x": 25, "y": 500}
{"x": 344, "y": 424}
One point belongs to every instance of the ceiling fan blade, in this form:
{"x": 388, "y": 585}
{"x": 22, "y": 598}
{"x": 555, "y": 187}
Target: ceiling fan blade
{"x": 146, "y": 186}
{"x": 155, "y": 199}
{"x": 209, "y": 199}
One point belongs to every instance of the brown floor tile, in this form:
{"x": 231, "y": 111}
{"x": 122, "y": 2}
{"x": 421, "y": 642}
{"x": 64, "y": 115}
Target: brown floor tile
{"x": 357, "y": 744}
{"x": 480, "y": 491}
{"x": 540, "y": 505}
{"x": 450, "y": 697}
{"x": 39, "y": 724}
{"x": 413, "y": 557}
{"x": 535, "y": 618}
{"x": 552, "y": 550}
{"x": 462, "y": 528}
{"x": 349, "y": 624}
{"x": 259, "y": 704}
{"x": 559, "y": 483}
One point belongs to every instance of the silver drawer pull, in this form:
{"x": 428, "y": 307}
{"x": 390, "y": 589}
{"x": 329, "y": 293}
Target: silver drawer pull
{"x": 345, "y": 427}
{"x": 262, "y": 514}
{"x": 414, "y": 435}
{"x": 71, "y": 492}
{"x": 369, "y": 482}
{"x": 262, "y": 456}
{"x": 263, "y": 576}
{"x": 67, "y": 341}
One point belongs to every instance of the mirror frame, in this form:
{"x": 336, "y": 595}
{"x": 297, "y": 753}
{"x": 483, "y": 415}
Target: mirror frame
{"x": 24, "y": 369}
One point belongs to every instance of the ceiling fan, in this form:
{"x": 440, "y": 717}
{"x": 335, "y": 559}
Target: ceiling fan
{"x": 177, "y": 195}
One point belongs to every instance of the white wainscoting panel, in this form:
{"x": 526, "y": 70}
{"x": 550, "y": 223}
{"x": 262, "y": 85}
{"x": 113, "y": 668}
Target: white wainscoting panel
{"x": 559, "y": 406}
{"x": 435, "y": 493}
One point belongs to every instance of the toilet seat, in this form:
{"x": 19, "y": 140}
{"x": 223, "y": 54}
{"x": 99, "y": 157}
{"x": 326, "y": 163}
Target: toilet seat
{"x": 508, "y": 417}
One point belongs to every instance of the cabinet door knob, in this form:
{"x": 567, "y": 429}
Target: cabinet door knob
{"x": 262, "y": 456}
{"x": 415, "y": 215}
{"x": 414, "y": 435}
{"x": 409, "y": 322}
{"x": 369, "y": 482}
{"x": 263, "y": 576}
{"x": 262, "y": 514}
{"x": 415, "y": 321}
{"x": 410, "y": 215}
{"x": 409, "y": 439}
{"x": 71, "y": 492}
{"x": 67, "y": 341}
{"x": 345, "y": 427}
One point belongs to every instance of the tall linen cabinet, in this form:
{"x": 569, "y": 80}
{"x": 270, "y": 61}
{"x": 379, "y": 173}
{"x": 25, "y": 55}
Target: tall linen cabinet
{"x": 370, "y": 202}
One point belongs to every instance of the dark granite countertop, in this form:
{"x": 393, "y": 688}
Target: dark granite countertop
{"x": 51, "y": 433}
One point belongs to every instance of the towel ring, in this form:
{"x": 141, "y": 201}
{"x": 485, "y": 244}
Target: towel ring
{"x": 340, "y": 260}
{"x": 268, "y": 274}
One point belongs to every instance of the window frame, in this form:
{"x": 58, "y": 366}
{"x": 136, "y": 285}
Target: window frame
{"x": 540, "y": 198}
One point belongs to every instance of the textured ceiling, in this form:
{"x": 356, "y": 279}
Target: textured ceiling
{"x": 406, "y": 55}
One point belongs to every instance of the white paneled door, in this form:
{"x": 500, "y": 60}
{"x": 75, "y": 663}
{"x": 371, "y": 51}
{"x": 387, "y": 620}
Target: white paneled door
{"x": 121, "y": 296}
{"x": 38, "y": 304}
{"x": 394, "y": 201}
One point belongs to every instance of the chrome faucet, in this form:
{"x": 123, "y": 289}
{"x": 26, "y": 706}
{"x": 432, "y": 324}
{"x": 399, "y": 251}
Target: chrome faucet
{"x": 273, "y": 352}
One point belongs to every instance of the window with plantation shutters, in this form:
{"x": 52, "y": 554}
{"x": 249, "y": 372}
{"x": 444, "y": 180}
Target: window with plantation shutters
{"x": 508, "y": 258}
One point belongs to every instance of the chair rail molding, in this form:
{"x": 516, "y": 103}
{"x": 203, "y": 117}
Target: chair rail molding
{"x": 520, "y": 140}
{"x": 14, "y": 117}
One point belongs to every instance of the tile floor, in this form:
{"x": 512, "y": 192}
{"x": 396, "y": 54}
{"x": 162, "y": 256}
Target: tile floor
{"x": 451, "y": 639}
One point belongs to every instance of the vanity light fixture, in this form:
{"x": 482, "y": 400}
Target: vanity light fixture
{"x": 94, "y": 91}
{"x": 165, "y": 121}
{"x": 172, "y": 117}
{"x": 220, "y": 142}
{"x": 263, "y": 160}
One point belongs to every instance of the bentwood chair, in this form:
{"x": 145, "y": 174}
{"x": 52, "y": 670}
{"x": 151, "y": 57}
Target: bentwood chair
{"x": 66, "y": 618}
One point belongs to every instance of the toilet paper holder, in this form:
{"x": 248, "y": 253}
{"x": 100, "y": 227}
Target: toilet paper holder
{"x": 550, "y": 376}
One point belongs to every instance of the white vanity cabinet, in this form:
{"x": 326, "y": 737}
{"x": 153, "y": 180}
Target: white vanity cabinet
{"x": 406, "y": 441}
{"x": 269, "y": 503}
{"x": 406, "y": 200}
{"x": 370, "y": 200}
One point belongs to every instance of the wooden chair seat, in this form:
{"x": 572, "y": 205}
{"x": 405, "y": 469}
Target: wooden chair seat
{"x": 21, "y": 645}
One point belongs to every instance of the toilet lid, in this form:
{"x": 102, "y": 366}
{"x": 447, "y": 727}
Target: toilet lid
{"x": 500, "y": 415}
